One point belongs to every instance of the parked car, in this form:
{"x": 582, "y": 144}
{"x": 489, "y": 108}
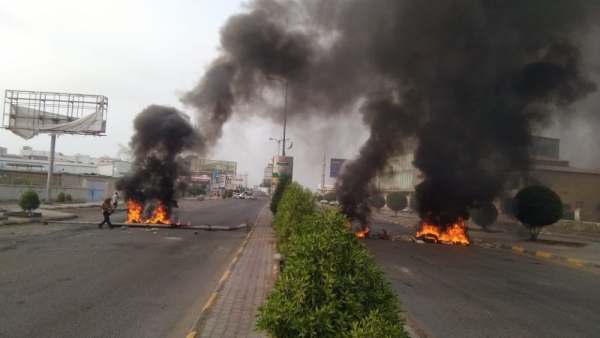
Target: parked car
{"x": 334, "y": 203}
{"x": 407, "y": 209}
{"x": 323, "y": 201}
{"x": 251, "y": 197}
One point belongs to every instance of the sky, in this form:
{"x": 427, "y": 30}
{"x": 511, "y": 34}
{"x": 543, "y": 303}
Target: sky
{"x": 138, "y": 53}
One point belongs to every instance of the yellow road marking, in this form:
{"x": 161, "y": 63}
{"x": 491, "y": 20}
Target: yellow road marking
{"x": 574, "y": 261}
{"x": 543, "y": 255}
{"x": 192, "y": 334}
{"x": 211, "y": 300}
{"x": 225, "y": 276}
{"x": 517, "y": 249}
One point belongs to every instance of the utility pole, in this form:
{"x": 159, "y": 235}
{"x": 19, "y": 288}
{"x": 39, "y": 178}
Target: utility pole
{"x": 323, "y": 172}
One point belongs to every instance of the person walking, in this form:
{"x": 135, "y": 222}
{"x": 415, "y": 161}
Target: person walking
{"x": 106, "y": 210}
{"x": 115, "y": 200}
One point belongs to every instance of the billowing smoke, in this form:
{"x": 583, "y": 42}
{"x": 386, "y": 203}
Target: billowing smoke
{"x": 160, "y": 134}
{"x": 469, "y": 79}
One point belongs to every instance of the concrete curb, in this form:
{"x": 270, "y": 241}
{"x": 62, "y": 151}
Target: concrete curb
{"x": 539, "y": 254}
{"x": 71, "y": 207}
{"x": 36, "y": 219}
{"x": 544, "y": 255}
{"x": 383, "y": 220}
{"x": 194, "y": 330}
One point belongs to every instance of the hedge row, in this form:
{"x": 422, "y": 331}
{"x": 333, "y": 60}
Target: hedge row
{"x": 331, "y": 285}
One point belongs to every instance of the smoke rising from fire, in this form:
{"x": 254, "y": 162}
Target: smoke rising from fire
{"x": 469, "y": 79}
{"x": 160, "y": 134}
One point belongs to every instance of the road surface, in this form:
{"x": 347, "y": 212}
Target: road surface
{"x": 79, "y": 281}
{"x": 455, "y": 291}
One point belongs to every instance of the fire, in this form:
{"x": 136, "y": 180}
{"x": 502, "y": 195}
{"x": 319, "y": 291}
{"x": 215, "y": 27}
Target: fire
{"x": 363, "y": 233}
{"x": 134, "y": 214}
{"x": 455, "y": 233}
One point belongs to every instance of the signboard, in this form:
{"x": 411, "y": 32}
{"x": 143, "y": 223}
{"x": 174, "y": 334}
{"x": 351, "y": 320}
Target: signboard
{"x": 282, "y": 165}
{"x": 336, "y": 167}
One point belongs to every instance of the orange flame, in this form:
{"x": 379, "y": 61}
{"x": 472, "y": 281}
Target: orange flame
{"x": 363, "y": 233}
{"x": 134, "y": 214}
{"x": 455, "y": 233}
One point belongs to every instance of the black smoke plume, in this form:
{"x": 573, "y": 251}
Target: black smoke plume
{"x": 160, "y": 134}
{"x": 470, "y": 79}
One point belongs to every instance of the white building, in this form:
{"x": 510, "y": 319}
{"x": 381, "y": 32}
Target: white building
{"x": 115, "y": 169}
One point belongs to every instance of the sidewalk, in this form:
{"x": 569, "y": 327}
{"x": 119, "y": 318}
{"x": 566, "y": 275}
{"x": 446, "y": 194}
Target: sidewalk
{"x": 232, "y": 309}
{"x": 575, "y": 249}
{"x": 49, "y": 212}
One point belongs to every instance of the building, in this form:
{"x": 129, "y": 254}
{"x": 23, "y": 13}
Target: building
{"x": 268, "y": 174}
{"x": 401, "y": 175}
{"x": 115, "y": 168}
{"x": 195, "y": 165}
{"x": 576, "y": 187}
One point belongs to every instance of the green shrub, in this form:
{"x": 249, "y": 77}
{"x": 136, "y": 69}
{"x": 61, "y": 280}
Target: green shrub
{"x": 396, "y": 201}
{"x": 69, "y": 198}
{"x": 330, "y": 284}
{"x": 196, "y": 190}
{"x": 62, "y": 197}
{"x": 278, "y": 194}
{"x": 537, "y": 206}
{"x": 485, "y": 216}
{"x": 377, "y": 202}
{"x": 29, "y": 201}
{"x": 295, "y": 209}
{"x": 376, "y": 325}
{"x": 229, "y": 193}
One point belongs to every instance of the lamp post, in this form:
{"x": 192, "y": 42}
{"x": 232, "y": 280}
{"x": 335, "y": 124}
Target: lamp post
{"x": 285, "y": 82}
{"x": 278, "y": 142}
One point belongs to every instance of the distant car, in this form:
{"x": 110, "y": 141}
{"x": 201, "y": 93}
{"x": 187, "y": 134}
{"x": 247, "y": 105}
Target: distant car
{"x": 252, "y": 197}
{"x": 333, "y": 203}
{"x": 323, "y": 201}
{"x": 407, "y": 209}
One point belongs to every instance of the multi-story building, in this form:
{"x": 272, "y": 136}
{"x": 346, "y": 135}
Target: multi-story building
{"x": 268, "y": 174}
{"x": 195, "y": 165}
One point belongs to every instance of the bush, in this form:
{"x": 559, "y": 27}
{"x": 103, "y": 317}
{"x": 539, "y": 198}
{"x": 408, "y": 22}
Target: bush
{"x": 296, "y": 210}
{"x": 396, "y": 201}
{"x": 537, "y": 206}
{"x": 329, "y": 286}
{"x": 485, "y": 216}
{"x": 69, "y": 198}
{"x": 377, "y": 202}
{"x": 278, "y": 194}
{"x": 229, "y": 193}
{"x": 61, "y": 198}
{"x": 29, "y": 201}
{"x": 196, "y": 190}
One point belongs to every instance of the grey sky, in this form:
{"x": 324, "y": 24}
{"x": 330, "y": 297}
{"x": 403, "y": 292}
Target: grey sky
{"x": 139, "y": 53}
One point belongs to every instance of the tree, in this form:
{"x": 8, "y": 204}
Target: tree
{"x": 196, "y": 190}
{"x": 284, "y": 181}
{"x": 330, "y": 196}
{"x": 229, "y": 193}
{"x": 378, "y": 202}
{"x": 396, "y": 201}
{"x": 537, "y": 206}
{"x": 486, "y": 215}
{"x": 29, "y": 201}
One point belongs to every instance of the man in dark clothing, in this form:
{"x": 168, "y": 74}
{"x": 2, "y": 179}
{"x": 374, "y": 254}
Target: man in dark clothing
{"x": 106, "y": 211}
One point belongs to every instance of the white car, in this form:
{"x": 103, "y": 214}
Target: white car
{"x": 334, "y": 203}
{"x": 407, "y": 209}
{"x": 323, "y": 201}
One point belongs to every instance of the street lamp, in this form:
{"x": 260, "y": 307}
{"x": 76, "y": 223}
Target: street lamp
{"x": 278, "y": 141}
{"x": 285, "y": 82}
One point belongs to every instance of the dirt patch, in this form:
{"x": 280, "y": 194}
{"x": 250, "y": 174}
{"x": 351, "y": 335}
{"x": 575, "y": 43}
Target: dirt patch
{"x": 559, "y": 243}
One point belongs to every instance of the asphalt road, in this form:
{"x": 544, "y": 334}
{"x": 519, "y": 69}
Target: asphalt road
{"x": 455, "y": 291}
{"x": 72, "y": 280}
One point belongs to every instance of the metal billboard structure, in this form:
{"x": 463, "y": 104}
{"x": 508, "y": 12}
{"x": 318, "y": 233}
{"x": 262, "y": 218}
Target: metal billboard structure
{"x": 29, "y": 113}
